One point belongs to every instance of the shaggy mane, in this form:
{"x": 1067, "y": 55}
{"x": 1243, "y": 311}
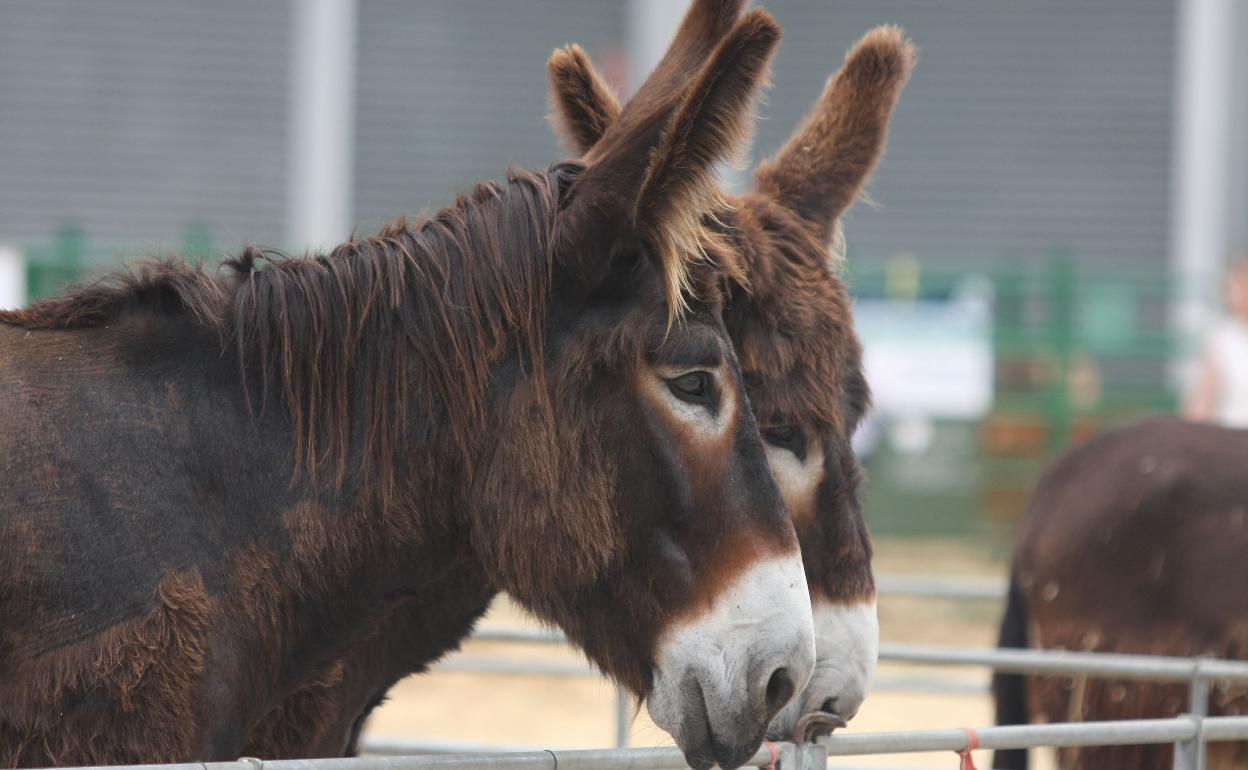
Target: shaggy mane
{"x": 421, "y": 311}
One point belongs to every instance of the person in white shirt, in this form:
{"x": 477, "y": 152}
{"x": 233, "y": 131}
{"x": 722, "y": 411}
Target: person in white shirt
{"x": 1221, "y": 392}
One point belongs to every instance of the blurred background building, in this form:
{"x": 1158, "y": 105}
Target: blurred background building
{"x": 1063, "y": 184}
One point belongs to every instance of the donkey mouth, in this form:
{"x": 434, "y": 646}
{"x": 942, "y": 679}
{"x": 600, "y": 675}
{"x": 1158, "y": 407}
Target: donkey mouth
{"x": 816, "y": 724}
{"x": 702, "y": 748}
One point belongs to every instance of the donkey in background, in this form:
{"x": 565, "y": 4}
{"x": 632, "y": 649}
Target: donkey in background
{"x": 1133, "y": 542}
{"x": 218, "y": 485}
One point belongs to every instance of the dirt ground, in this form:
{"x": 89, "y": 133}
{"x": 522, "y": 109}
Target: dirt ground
{"x": 523, "y": 710}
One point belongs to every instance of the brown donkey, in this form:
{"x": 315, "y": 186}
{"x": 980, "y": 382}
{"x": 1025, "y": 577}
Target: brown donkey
{"x": 215, "y": 485}
{"x": 800, "y": 355}
{"x": 1133, "y": 542}
{"x": 791, "y": 324}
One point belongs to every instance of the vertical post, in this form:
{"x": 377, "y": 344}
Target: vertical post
{"x": 197, "y": 240}
{"x": 804, "y": 756}
{"x": 321, "y": 122}
{"x": 1198, "y": 694}
{"x": 12, "y": 278}
{"x": 1200, "y": 188}
{"x": 623, "y": 717}
{"x": 1061, "y": 308}
{"x": 1198, "y": 707}
{"x": 651, "y": 24}
{"x": 1190, "y": 754}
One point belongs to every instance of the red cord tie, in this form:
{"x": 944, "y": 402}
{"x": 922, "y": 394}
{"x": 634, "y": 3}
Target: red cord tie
{"x": 965, "y": 762}
{"x": 775, "y": 754}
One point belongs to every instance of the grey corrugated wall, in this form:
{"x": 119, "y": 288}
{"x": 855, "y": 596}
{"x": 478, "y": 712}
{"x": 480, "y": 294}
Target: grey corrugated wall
{"x": 453, "y": 92}
{"x": 1028, "y": 124}
{"x": 133, "y": 117}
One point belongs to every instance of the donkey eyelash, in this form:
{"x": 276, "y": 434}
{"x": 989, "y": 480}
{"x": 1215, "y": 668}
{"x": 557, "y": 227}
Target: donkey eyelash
{"x": 693, "y": 387}
{"x": 788, "y": 437}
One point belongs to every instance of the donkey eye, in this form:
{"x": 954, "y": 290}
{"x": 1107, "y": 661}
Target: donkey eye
{"x": 788, "y": 437}
{"x": 694, "y": 387}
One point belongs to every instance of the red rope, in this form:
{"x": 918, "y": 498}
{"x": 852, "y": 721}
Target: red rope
{"x": 965, "y": 762}
{"x": 775, "y": 754}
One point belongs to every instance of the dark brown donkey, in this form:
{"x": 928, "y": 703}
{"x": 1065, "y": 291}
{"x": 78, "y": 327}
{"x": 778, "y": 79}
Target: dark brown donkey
{"x": 791, "y": 323}
{"x": 798, "y": 306}
{"x": 214, "y": 486}
{"x": 1135, "y": 542}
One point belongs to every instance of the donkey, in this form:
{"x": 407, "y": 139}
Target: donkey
{"x": 217, "y": 484}
{"x": 1134, "y": 542}
{"x": 790, "y": 320}
{"x": 797, "y": 304}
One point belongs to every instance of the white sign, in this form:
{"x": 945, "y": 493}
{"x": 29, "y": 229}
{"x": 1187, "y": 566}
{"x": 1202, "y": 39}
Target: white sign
{"x": 927, "y": 358}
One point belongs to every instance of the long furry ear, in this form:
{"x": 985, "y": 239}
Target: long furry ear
{"x": 711, "y": 123}
{"x": 823, "y": 167}
{"x": 582, "y": 105}
{"x": 704, "y": 24}
{"x": 597, "y": 215}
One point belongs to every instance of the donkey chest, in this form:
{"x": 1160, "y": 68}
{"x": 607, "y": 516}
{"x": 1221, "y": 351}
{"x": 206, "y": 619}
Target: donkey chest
{"x": 324, "y": 711}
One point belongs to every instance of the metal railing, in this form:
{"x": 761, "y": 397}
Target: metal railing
{"x": 1197, "y": 673}
{"x": 1189, "y": 734}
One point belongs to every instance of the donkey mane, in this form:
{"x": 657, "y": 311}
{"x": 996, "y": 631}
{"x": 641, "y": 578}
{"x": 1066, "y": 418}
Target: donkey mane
{"x": 420, "y": 310}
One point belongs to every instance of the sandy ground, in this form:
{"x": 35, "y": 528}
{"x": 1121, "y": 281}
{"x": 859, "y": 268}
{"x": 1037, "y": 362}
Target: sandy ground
{"x": 515, "y": 710}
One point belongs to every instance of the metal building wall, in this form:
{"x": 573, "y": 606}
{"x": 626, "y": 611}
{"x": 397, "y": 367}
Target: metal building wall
{"x": 134, "y": 117}
{"x": 1027, "y": 125}
{"x": 450, "y": 93}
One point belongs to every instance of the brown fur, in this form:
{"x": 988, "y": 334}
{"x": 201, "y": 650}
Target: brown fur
{"x": 450, "y": 397}
{"x": 583, "y": 104}
{"x": 703, "y": 115}
{"x": 822, "y": 169}
{"x": 1133, "y": 543}
{"x": 672, "y": 204}
{"x": 795, "y": 340}
{"x": 148, "y": 665}
{"x": 790, "y": 316}
{"x": 303, "y": 322}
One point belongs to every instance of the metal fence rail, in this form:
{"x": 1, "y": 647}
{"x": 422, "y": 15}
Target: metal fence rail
{"x": 1197, "y": 673}
{"x": 939, "y": 587}
{"x": 1187, "y": 733}
{"x": 1153, "y": 668}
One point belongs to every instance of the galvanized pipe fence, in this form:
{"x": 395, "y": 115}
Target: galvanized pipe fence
{"x": 1198, "y": 673}
{"x": 1189, "y": 734}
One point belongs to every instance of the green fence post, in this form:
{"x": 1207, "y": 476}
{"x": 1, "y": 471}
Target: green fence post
{"x": 1061, "y": 307}
{"x": 197, "y": 244}
{"x": 49, "y": 271}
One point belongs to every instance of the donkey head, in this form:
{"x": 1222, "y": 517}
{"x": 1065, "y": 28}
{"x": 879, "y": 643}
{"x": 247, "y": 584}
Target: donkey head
{"x": 645, "y": 522}
{"x": 792, "y": 328}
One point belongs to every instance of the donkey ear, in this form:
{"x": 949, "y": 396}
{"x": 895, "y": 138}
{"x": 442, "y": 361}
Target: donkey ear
{"x": 823, "y": 167}
{"x": 594, "y": 227}
{"x": 582, "y": 105}
{"x": 711, "y": 123}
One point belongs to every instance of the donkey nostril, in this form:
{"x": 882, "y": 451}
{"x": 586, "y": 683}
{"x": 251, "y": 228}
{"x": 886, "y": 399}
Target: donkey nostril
{"x": 780, "y": 689}
{"x": 829, "y": 706}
